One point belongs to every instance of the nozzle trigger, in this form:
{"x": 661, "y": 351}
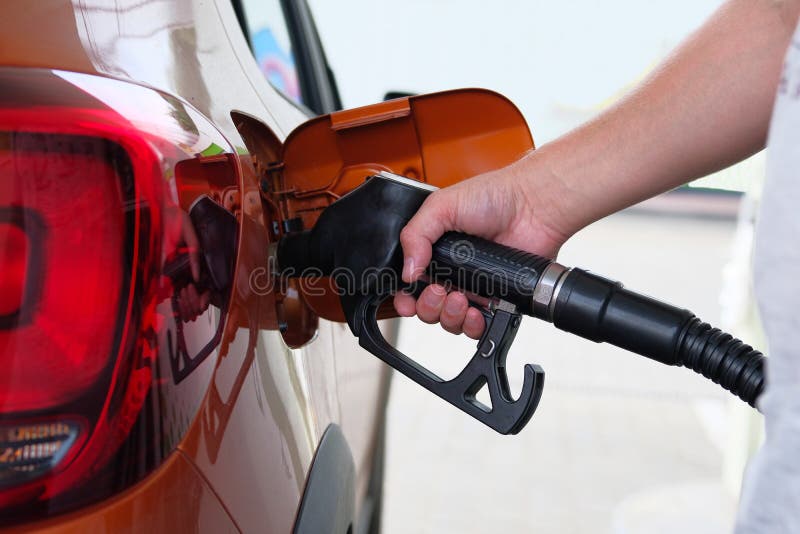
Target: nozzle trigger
{"x": 487, "y": 367}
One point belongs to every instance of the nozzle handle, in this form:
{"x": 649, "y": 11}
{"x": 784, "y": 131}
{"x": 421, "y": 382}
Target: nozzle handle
{"x": 487, "y": 367}
{"x": 488, "y": 269}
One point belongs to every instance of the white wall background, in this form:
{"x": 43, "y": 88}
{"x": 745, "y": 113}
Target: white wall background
{"x": 559, "y": 61}
{"x": 610, "y": 445}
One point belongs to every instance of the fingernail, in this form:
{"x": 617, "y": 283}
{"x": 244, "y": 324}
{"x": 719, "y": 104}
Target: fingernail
{"x": 433, "y": 297}
{"x": 408, "y": 269}
{"x": 453, "y": 306}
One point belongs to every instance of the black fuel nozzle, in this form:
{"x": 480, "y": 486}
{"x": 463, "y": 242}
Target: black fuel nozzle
{"x": 357, "y": 242}
{"x": 217, "y": 231}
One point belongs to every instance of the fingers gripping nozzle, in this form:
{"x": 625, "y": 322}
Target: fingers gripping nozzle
{"x": 356, "y": 242}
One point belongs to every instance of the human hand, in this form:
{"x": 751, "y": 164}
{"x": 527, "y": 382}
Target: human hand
{"x": 192, "y": 303}
{"x": 180, "y": 238}
{"x": 507, "y": 206}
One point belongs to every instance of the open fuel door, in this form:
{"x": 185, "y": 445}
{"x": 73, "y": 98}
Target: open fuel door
{"x": 439, "y": 138}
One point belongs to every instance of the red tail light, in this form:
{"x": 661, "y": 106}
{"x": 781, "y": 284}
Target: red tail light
{"x": 88, "y": 320}
{"x": 13, "y": 264}
{"x": 66, "y": 202}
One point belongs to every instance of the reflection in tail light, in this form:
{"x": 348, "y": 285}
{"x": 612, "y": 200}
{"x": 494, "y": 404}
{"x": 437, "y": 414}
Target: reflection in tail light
{"x": 13, "y": 265}
{"x": 65, "y": 400}
{"x": 67, "y": 202}
{"x": 84, "y": 395}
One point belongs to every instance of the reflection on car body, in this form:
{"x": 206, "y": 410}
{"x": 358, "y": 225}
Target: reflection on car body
{"x": 148, "y": 387}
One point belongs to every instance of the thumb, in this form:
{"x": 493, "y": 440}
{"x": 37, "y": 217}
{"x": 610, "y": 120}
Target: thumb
{"x": 432, "y": 220}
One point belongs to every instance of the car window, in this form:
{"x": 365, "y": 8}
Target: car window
{"x": 271, "y": 43}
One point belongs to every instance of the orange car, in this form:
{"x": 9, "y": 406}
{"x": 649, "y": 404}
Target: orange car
{"x": 149, "y": 381}
{"x": 155, "y": 376}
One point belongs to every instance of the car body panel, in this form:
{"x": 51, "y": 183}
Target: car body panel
{"x": 254, "y": 439}
{"x": 439, "y": 138}
{"x": 256, "y": 433}
{"x": 174, "y": 496}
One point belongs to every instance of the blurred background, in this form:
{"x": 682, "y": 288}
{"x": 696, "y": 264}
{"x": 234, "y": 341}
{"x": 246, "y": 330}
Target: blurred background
{"x": 619, "y": 444}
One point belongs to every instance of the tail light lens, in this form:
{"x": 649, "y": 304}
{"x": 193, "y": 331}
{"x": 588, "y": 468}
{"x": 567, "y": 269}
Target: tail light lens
{"x": 63, "y": 197}
{"x": 13, "y": 265}
{"x": 91, "y": 212}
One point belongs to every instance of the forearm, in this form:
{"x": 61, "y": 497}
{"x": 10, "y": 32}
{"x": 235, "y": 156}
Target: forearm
{"x": 706, "y": 107}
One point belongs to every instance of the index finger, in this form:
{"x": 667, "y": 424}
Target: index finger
{"x": 432, "y": 220}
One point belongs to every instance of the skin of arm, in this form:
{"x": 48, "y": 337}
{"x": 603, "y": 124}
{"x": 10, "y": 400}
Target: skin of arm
{"x": 707, "y": 106}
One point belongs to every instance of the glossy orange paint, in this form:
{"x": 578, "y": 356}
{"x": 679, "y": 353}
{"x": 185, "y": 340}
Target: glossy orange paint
{"x": 169, "y": 500}
{"x": 243, "y": 460}
{"x": 255, "y": 435}
{"x": 440, "y": 139}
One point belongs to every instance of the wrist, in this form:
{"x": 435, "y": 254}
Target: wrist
{"x": 557, "y": 205}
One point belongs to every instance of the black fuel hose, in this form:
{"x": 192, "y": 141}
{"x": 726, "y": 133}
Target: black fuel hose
{"x": 598, "y": 309}
{"x": 356, "y": 241}
{"x": 604, "y": 311}
{"x": 574, "y": 300}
